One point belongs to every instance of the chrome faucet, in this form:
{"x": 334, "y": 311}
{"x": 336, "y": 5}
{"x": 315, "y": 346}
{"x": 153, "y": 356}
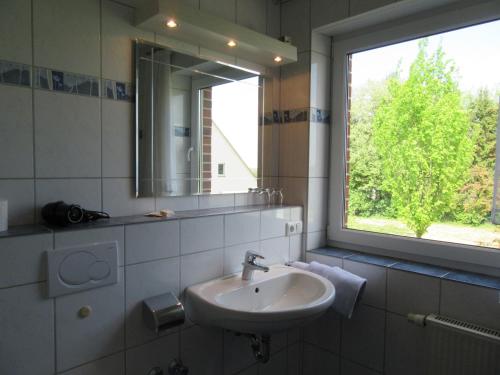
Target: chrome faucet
{"x": 249, "y": 265}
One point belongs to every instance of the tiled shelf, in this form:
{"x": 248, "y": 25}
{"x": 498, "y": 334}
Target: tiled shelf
{"x": 21, "y": 230}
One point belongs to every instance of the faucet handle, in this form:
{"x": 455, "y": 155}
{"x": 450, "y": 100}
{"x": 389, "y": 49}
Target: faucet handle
{"x": 250, "y": 256}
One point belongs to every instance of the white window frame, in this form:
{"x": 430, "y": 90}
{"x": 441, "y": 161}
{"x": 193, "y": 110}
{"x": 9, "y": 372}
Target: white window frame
{"x": 462, "y": 14}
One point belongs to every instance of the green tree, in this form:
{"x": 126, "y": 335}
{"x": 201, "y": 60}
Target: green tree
{"x": 366, "y": 197}
{"x": 424, "y": 140}
{"x": 475, "y": 198}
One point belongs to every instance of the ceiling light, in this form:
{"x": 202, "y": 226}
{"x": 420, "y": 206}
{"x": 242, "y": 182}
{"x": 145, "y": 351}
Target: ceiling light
{"x": 231, "y": 43}
{"x": 171, "y": 23}
{"x": 278, "y": 59}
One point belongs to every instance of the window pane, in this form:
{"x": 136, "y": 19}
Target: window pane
{"x": 421, "y": 137}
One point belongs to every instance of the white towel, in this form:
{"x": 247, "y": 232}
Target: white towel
{"x": 348, "y": 286}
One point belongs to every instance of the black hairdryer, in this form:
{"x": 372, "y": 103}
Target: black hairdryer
{"x": 62, "y": 214}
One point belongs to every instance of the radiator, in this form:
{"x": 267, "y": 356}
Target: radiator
{"x": 454, "y": 347}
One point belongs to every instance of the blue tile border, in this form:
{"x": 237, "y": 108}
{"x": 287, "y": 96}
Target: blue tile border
{"x": 421, "y": 268}
{"x": 117, "y": 90}
{"x": 287, "y": 116}
{"x": 474, "y": 279}
{"x": 13, "y": 73}
{"x": 372, "y": 259}
{"x": 332, "y": 252}
{"x": 412, "y": 267}
{"x": 69, "y": 83}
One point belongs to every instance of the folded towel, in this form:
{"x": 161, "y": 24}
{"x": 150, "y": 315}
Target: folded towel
{"x": 348, "y": 286}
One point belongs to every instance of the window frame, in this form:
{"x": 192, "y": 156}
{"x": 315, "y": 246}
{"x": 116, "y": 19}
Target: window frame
{"x": 440, "y": 20}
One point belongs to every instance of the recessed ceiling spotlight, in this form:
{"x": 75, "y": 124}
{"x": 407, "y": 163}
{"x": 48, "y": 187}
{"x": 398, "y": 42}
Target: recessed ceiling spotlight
{"x": 171, "y": 23}
{"x": 231, "y": 43}
{"x": 278, "y": 59}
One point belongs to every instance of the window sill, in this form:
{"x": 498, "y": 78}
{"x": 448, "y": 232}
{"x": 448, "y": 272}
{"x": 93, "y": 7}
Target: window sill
{"x": 414, "y": 267}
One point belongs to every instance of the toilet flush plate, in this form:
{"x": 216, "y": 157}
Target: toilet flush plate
{"x": 79, "y": 268}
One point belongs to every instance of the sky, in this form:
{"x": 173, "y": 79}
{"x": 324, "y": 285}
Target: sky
{"x": 235, "y": 111}
{"x": 475, "y": 50}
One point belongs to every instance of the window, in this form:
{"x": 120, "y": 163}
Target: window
{"x": 416, "y": 149}
{"x": 221, "y": 169}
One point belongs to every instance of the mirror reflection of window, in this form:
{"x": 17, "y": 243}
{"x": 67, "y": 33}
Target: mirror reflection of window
{"x": 230, "y": 133}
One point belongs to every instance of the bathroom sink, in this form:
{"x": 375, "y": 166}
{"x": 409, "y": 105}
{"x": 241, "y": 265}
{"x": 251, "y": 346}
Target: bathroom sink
{"x": 273, "y": 301}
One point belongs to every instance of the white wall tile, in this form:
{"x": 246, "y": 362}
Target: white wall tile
{"x": 21, "y": 200}
{"x": 88, "y": 236}
{"x": 321, "y": 43}
{"x": 235, "y": 255}
{"x": 295, "y": 22}
{"x": 202, "y": 234}
{"x": 315, "y": 240}
{"x": 470, "y": 303}
{"x": 294, "y": 190}
{"x": 296, "y": 247}
{"x": 27, "y": 339}
{"x": 215, "y": 200}
{"x": 295, "y": 82}
{"x": 112, "y": 365}
{"x": 277, "y": 364}
{"x": 15, "y": 28}
{"x": 177, "y": 203}
{"x": 273, "y": 222}
{"x": 221, "y": 8}
{"x": 319, "y": 361}
{"x": 66, "y": 35}
{"x": 237, "y": 353}
{"x": 320, "y": 81}
{"x": 241, "y": 228}
{"x": 404, "y": 352}
{"x": 158, "y": 353}
{"x": 351, "y": 368}
{"x": 293, "y": 151}
{"x": 325, "y": 332}
{"x": 319, "y": 149}
{"x": 85, "y": 192}
{"x": 16, "y": 131}
{"x": 81, "y": 340}
{"x": 275, "y": 250}
{"x": 411, "y": 293}
{"x": 327, "y": 11}
{"x": 374, "y": 294}
{"x": 273, "y": 22}
{"x": 22, "y": 259}
{"x": 252, "y": 14}
{"x": 67, "y": 135}
{"x": 248, "y": 199}
{"x": 119, "y": 199}
{"x": 118, "y": 33}
{"x": 317, "y": 204}
{"x": 361, "y": 6}
{"x": 294, "y": 361}
{"x": 200, "y": 267}
{"x": 296, "y": 213}
{"x": 330, "y": 261}
{"x": 202, "y": 350}
{"x": 363, "y": 337}
{"x": 152, "y": 241}
{"x": 143, "y": 281}
{"x": 117, "y": 139}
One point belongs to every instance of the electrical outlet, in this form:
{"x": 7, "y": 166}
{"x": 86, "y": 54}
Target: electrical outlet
{"x": 293, "y": 227}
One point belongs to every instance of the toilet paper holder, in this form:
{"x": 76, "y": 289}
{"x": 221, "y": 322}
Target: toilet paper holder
{"x": 162, "y": 312}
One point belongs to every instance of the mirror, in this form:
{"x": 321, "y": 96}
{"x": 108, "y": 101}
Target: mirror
{"x": 197, "y": 124}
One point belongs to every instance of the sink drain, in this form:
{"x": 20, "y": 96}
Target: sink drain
{"x": 257, "y": 290}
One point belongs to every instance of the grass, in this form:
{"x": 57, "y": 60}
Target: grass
{"x": 486, "y": 235}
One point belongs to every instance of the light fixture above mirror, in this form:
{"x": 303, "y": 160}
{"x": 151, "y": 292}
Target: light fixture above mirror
{"x": 212, "y": 32}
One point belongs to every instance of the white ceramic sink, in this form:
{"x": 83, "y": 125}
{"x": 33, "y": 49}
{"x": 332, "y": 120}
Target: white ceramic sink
{"x": 273, "y": 301}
